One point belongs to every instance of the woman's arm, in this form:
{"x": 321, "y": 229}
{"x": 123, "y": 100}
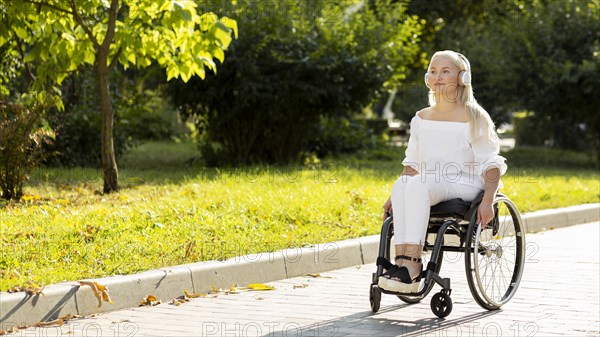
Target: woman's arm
{"x": 485, "y": 212}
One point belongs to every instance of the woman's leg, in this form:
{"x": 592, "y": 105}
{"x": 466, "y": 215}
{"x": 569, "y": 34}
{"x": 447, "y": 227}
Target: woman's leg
{"x": 403, "y": 223}
{"x": 399, "y": 214}
{"x": 414, "y": 198}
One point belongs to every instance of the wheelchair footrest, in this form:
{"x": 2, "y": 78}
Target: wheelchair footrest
{"x": 443, "y": 282}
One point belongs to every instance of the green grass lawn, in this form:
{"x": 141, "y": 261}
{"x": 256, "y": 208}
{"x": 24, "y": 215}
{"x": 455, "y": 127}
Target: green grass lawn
{"x": 171, "y": 211}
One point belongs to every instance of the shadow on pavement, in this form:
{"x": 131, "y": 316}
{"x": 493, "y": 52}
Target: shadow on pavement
{"x": 369, "y": 324}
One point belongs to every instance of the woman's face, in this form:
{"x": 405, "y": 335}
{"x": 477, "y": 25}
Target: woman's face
{"x": 443, "y": 75}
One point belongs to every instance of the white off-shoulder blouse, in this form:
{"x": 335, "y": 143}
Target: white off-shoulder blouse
{"x": 445, "y": 150}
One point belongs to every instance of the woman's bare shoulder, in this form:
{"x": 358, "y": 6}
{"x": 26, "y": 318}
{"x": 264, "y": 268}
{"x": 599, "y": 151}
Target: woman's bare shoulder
{"x": 424, "y": 113}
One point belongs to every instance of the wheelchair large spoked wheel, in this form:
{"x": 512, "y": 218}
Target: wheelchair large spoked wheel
{"x": 495, "y": 258}
{"x": 426, "y": 258}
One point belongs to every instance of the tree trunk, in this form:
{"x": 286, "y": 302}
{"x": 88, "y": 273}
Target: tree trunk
{"x": 110, "y": 172}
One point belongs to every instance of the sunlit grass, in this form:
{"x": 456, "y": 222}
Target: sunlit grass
{"x": 171, "y": 211}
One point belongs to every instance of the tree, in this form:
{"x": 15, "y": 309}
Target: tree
{"x": 557, "y": 45}
{"x": 548, "y": 64}
{"x": 54, "y": 38}
{"x": 295, "y": 63}
{"x": 541, "y": 56}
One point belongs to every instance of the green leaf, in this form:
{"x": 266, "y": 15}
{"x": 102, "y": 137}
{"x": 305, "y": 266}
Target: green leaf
{"x": 172, "y": 72}
{"x": 68, "y": 37}
{"x": 185, "y": 15}
{"x": 219, "y": 54}
{"x": 144, "y": 62}
{"x": 206, "y": 21}
{"x": 230, "y": 23}
{"x": 131, "y": 58}
{"x": 222, "y": 33}
{"x": 185, "y": 72}
{"x": 201, "y": 72}
{"x": 21, "y": 32}
{"x": 166, "y": 6}
{"x": 4, "y": 34}
{"x": 60, "y": 77}
{"x": 29, "y": 57}
{"x": 208, "y": 62}
{"x": 89, "y": 57}
{"x": 72, "y": 65}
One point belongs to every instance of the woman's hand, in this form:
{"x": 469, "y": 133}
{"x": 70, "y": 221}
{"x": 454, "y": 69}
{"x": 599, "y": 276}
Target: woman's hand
{"x": 387, "y": 208}
{"x": 485, "y": 212}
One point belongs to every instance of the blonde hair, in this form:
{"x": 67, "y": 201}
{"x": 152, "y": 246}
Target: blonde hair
{"x": 480, "y": 120}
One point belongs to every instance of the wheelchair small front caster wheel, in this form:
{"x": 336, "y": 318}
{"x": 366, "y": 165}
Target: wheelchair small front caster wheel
{"x": 441, "y": 304}
{"x": 375, "y": 297}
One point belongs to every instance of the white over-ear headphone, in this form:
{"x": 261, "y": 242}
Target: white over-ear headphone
{"x": 464, "y": 76}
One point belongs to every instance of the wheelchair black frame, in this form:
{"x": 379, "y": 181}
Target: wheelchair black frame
{"x": 457, "y": 225}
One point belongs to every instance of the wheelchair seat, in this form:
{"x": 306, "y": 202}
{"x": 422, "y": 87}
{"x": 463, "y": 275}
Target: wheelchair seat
{"x": 455, "y": 208}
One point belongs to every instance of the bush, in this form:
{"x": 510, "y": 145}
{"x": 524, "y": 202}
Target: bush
{"x": 524, "y": 123}
{"x": 342, "y": 135}
{"x": 281, "y": 76}
{"x": 551, "y": 132}
{"x": 147, "y": 116}
{"x": 21, "y": 139}
{"x": 139, "y": 115}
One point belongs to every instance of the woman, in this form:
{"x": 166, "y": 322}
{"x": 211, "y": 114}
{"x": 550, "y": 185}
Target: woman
{"x": 452, "y": 153}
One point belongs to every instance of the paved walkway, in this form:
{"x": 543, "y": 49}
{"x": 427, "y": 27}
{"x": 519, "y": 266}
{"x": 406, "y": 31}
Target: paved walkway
{"x": 559, "y": 296}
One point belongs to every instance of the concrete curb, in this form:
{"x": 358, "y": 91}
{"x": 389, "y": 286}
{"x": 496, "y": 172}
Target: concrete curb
{"x": 19, "y": 309}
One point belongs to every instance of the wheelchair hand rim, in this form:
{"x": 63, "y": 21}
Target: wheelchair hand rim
{"x": 517, "y": 273}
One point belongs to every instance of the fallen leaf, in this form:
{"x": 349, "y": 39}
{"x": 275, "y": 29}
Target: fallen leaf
{"x": 13, "y": 329}
{"x": 187, "y": 294}
{"x": 232, "y": 290}
{"x": 179, "y": 300}
{"x": 260, "y": 287}
{"x": 189, "y": 248}
{"x": 30, "y": 288}
{"x": 317, "y": 275}
{"x": 100, "y": 291}
{"x": 149, "y": 300}
{"x": 303, "y": 285}
{"x": 57, "y": 322}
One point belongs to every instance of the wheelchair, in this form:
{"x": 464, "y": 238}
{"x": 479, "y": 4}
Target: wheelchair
{"x": 494, "y": 255}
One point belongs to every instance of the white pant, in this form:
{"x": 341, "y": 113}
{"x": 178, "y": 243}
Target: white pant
{"x": 412, "y": 198}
